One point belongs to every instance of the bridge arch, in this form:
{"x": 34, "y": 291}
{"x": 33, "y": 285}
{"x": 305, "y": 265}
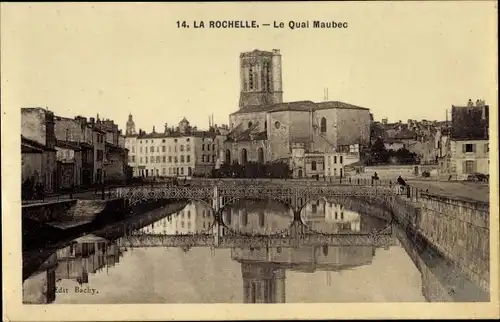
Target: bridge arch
{"x": 358, "y": 204}
{"x": 225, "y": 216}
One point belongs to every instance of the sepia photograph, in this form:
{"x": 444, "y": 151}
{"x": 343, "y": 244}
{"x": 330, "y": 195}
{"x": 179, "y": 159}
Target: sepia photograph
{"x": 322, "y": 153}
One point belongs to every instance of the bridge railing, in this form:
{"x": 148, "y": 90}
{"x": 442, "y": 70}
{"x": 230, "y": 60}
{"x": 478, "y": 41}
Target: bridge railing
{"x": 295, "y": 182}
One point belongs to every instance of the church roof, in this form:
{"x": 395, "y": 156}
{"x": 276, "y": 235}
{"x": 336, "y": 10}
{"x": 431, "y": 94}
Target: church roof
{"x": 297, "y": 106}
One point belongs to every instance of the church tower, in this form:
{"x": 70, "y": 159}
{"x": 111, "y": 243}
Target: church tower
{"x": 260, "y": 78}
{"x": 130, "y": 128}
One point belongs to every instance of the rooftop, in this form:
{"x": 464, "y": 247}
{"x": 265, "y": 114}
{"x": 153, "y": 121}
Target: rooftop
{"x": 68, "y": 145}
{"x": 297, "y": 106}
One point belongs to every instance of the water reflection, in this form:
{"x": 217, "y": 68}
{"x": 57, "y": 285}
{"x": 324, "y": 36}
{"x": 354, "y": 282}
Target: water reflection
{"x": 263, "y": 270}
{"x": 93, "y": 269}
{"x": 196, "y": 217}
{"x": 258, "y": 217}
{"x": 86, "y": 255}
{"x": 327, "y": 217}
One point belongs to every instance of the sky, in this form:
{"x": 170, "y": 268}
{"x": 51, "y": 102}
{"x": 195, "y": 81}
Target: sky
{"x": 409, "y": 60}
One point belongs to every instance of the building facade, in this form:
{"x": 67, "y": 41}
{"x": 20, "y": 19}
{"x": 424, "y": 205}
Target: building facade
{"x": 469, "y": 140}
{"x": 37, "y": 124}
{"x": 336, "y": 162}
{"x": 69, "y": 164}
{"x": 176, "y": 152}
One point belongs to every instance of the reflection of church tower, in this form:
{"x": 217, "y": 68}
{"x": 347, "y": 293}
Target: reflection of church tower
{"x": 263, "y": 284}
{"x": 261, "y": 80}
{"x": 130, "y": 128}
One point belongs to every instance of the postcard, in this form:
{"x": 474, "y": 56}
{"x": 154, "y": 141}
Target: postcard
{"x": 170, "y": 161}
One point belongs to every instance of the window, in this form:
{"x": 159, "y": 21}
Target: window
{"x": 175, "y": 159}
{"x": 164, "y": 159}
{"x": 314, "y": 208}
{"x": 152, "y": 149}
{"x": 277, "y": 125}
{"x": 157, "y": 159}
{"x": 335, "y": 159}
{"x": 187, "y": 139}
{"x": 213, "y": 147}
{"x": 188, "y": 147}
{"x": 468, "y": 148}
{"x": 203, "y": 158}
{"x": 250, "y": 77}
{"x": 152, "y": 159}
{"x": 203, "y": 147}
{"x": 146, "y": 158}
{"x": 182, "y": 159}
{"x": 208, "y": 147}
{"x": 323, "y": 125}
{"x": 140, "y": 149}
{"x": 169, "y": 159}
{"x": 182, "y": 147}
{"x": 469, "y": 166}
{"x": 182, "y": 170}
{"x": 141, "y": 160}
{"x": 133, "y": 158}
{"x": 133, "y": 149}
{"x": 146, "y": 141}
{"x": 163, "y": 148}
{"x": 260, "y": 155}
{"x": 169, "y": 170}
{"x": 169, "y": 149}
{"x": 313, "y": 166}
{"x": 188, "y": 158}
{"x": 163, "y": 141}
{"x": 244, "y": 157}
{"x": 213, "y": 158}
{"x": 341, "y": 159}
{"x": 163, "y": 171}
{"x": 486, "y": 147}
{"x": 158, "y": 149}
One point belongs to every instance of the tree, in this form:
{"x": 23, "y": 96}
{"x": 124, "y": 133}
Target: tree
{"x": 378, "y": 152}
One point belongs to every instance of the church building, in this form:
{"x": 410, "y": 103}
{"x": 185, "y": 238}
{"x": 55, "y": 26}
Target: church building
{"x": 265, "y": 128}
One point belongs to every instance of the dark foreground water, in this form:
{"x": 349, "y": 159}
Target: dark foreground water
{"x": 98, "y": 269}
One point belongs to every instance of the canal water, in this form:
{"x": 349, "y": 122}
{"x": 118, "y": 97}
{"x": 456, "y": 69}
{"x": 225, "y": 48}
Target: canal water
{"x": 97, "y": 268}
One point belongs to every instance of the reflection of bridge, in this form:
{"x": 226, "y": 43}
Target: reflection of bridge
{"x": 296, "y": 196}
{"x": 298, "y": 235}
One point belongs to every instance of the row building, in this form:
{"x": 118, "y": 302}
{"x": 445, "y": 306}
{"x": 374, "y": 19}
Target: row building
{"x": 182, "y": 151}
{"x": 61, "y": 153}
{"x": 266, "y": 129}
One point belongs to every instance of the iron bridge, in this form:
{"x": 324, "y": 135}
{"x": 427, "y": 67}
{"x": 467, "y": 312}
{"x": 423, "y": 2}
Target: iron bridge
{"x": 219, "y": 195}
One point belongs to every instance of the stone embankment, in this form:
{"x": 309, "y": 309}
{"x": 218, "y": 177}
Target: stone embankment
{"x": 451, "y": 238}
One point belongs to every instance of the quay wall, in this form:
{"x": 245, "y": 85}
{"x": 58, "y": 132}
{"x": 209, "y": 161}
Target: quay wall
{"x": 457, "y": 231}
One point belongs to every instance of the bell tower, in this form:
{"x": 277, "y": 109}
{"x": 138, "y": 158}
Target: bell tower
{"x": 130, "y": 127}
{"x": 260, "y": 78}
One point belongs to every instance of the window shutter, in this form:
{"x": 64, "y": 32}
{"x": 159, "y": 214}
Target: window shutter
{"x": 463, "y": 148}
{"x": 464, "y": 166}
{"x": 474, "y": 166}
{"x": 474, "y": 148}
